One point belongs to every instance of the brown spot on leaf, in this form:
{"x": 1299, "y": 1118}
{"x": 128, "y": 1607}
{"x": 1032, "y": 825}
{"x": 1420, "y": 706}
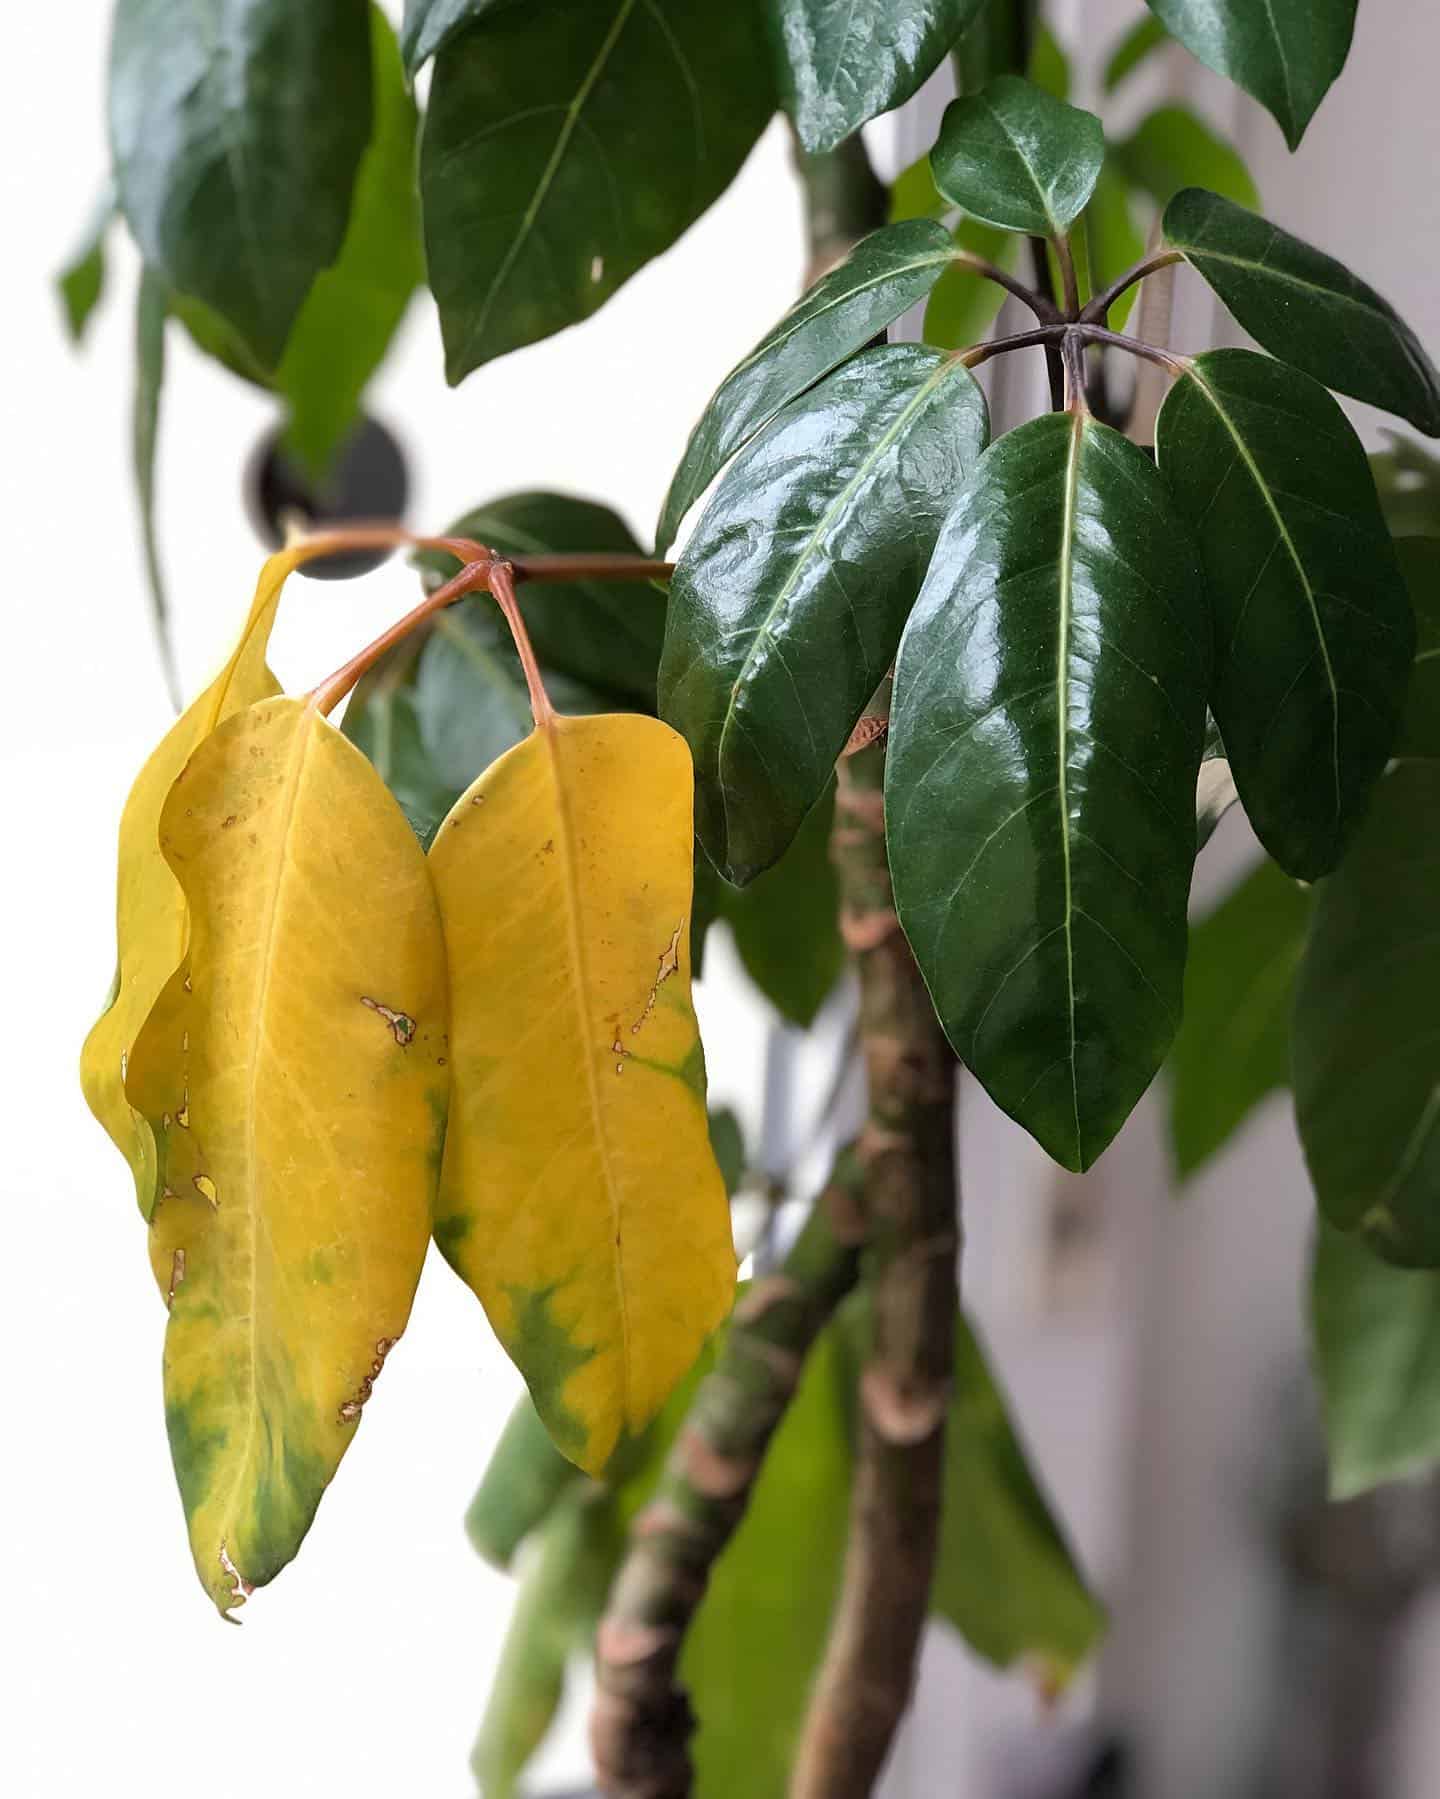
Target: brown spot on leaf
{"x": 402, "y": 1025}
{"x": 177, "y": 1274}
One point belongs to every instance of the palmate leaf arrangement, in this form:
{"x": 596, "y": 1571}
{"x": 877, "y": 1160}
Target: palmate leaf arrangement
{"x": 428, "y": 976}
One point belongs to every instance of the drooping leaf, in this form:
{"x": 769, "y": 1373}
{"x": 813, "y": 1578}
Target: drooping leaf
{"x": 580, "y": 1197}
{"x": 355, "y": 308}
{"x": 1045, "y": 733}
{"x": 1173, "y": 148}
{"x": 1376, "y": 1342}
{"x": 843, "y": 62}
{"x": 566, "y": 145}
{"x": 1286, "y": 53}
{"x": 1306, "y": 308}
{"x": 881, "y": 278}
{"x": 1143, "y": 39}
{"x": 524, "y": 1482}
{"x": 786, "y": 923}
{"x": 382, "y": 720}
{"x": 150, "y": 314}
{"x": 1408, "y": 481}
{"x": 963, "y": 305}
{"x": 1014, "y": 156}
{"x": 1005, "y": 1577}
{"x": 1233, "y": 1049}
{"x": 313, "y": 1080}
{"x": 606, "y": 634}
{"x": 1313, "y": 631}
{"x": 788, "y": 603}
{"x": 237, "y": 128}
{"x": 429, "y": 24}
{"x": 1367, "y": 1051}
{"x": 81, "y": 281}
{"x": 1420, "y": 728}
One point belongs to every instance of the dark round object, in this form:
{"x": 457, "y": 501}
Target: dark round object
{"x": 368, "y": 480}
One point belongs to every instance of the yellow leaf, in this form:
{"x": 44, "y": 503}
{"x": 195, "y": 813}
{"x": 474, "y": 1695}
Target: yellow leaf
{"x": 150, "y": 910}
{"x": 312, "y": 1048}
{"x": 579, "y": 1197}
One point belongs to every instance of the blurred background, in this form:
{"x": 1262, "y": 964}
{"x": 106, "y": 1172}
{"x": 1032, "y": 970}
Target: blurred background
{"x": 1151, "y": 1339}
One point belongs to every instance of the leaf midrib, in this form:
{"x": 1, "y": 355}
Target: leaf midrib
{"x": 1062, "y": 726}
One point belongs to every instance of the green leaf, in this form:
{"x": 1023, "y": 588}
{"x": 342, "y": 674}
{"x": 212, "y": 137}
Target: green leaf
{"x": 81, "y": 281}
{"x": 1014, "y": 156}
{"x": 1367, "y": 1051}
{"x": 237, "y": 128}
{"x": 1313, "y": 631}
{"x": 355, "y": 308}
{"x": 1306, "y": 308}
{"x": 728, "y": 1142}
{"x": 1114, "y": 242}
{"x": 1045, "y": 734}
{"x": 1136, "y": 47}
{"x": 566, "y": 145}
{"x": 1005, "y": 1577}
{"x": 881, "y": 278}
{"x": 786, "y": 923}
{"x": 1285, "y": 53}
{"x": 1376, "y": 1335}
{"x": 914, "y": 195}
{"x": 1233, "y": 1049}
{"x": 525, "y": 1480}
{"x": 843, "y": 62}
{"x": 1049, "y": 66}
{"x": 1172, "y": 148}
{"x": 604, "y": 634}
{"x": 788, "y": 603}
{"x": 428, "y": 25}
{"x": 964, "y": 305}
{"x": 150, "y": 315}
{"x": 1215, "y": 791}
{"x": 382, "y": 720}
{"x": 1408, "y": 481}
{"x": 1420, "y": 729}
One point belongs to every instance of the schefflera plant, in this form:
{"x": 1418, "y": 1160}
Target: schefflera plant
{"x": 1062, "y": 612}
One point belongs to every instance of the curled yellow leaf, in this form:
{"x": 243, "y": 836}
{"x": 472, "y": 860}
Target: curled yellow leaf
{"x": 579, "y": 1196}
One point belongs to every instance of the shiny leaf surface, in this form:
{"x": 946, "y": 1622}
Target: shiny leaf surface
{"x": 1286, "y": 53}
{"x": 525, "y": 1480}
{"x": 1420, "y": 728}
{"x": 883, "y": 276}
{"x": 237, "y": 128}
{"x": 1367, "y": 1052}
{"x": 1313, "y": 631}
{"x": 1306, "y": 308}
{"x": 1015, "y": 156}
{"x": 567, "y": 145}
{"x": 1045, "y": 734}
{"x": 313, "y": 1085}
{"x": 1173, "y": 148}
{"x": 580, "y": 1198}
{"x": 789, "y": 600}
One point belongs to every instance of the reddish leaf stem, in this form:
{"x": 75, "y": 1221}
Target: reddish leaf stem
{"x": 1098, "y": 309}
{"x": 474, "y": 576}
{"x": 502, "y": 587}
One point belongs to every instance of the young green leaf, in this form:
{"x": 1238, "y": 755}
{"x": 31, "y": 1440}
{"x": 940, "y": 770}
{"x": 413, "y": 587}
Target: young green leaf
{"x": 1306, "y": 308}
{"x": 1173, "y": 148}
{"x": 788, "y": 603}
{"x": 1286, "y": 53}
{"x": 1420, "y": 729}
{"x": 1045, "y": 734}
{"x": 567, "y": 145}
{"x": 843, "y": 62}
{"x": 881, "y": 278}
{"x": 1313, "y": 631}
{"x": 237, "y": 128}
{"x": 1367, "y": 1053}
{"x": 1136, "y": 47}
{"x": 1233, "y": 1049}
{"x": 1376, "y": 1342}
{"x": 1014, "y": 156}
{"x": 580, "y": 1199}
{"x": 313, "y": 1084}
{"x": 81, "y": 281}
{"x": 526, "y": 1479}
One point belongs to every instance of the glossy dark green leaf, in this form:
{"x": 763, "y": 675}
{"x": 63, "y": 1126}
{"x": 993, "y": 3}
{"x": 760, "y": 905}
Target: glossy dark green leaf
{"x": 429, "y": 24}
{"x": 150, "y": 316}
{"x": 1376, "y": 1342}
{"x": 1143, "y": 39}
{"x": 354, "y": 309}
{"x": 606, "y": 634}
{"x": 881, "y": 278}
{"x": 1313, "y": 629}
{"x": 525, "y": 1480}
{"x": 963, "y": 305}
{"x": 1407, "y": 479}
{"x": 843, "y": 62}
{"x": 1015, "y": 156}
{"x": 1005, "y": 1577}
{"x": 1173, "y": 148}
{"x": 1367, "y": 1046}
{"x": 1045, "y": 734}
{"x": 788, "y": 603}
{"x": 81, "y": 281}
{"x": 1233, "y": 1049}
{"x": 566, "y": 145}
{"x": 786, "y": 923}
{"x": 237, "y": 128}
{"x": 1286, "y": 53}
{"x": 382, "y": 720}
{"x": 1306, "y": 308}
{"x": 1420, "y": 729}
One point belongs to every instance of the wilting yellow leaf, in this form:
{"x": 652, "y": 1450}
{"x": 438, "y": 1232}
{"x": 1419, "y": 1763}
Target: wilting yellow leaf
{"x": 310, "y": 1049}
{"x": 579, "y": 1196}
{"x": 150, "y": 910}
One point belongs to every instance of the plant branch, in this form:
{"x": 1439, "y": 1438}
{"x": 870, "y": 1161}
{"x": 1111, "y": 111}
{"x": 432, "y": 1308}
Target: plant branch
{"x": 472, "y": 578}
{"x": 642, "y": 1721}
{"x": 908, "y": 1153}
{"x": 1096, "y": 312}
{"x": 1135, "y": 346}
{"x": 501, "y": 582}
{"x": 1048, "y": 335}
{"x": 1045, "y": 286}
{"x": 1066, "y": 259}
{"x": 1047, "y": 313}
